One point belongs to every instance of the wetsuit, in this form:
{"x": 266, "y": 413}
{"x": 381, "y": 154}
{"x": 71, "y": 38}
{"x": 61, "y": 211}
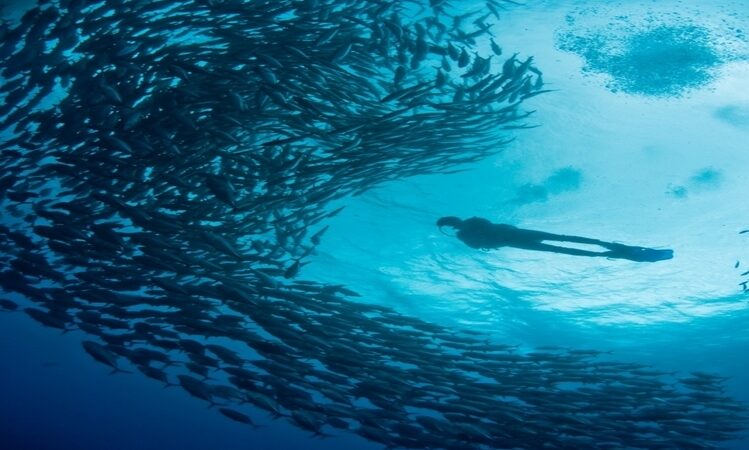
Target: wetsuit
{"x": 482, "y": 234}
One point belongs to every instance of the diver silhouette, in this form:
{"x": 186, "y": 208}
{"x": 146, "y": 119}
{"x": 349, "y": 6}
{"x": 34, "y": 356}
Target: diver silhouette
{"x": 480, "y": 233}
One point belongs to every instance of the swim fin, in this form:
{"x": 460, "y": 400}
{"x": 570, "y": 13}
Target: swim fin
{"x": 639, "y": 254}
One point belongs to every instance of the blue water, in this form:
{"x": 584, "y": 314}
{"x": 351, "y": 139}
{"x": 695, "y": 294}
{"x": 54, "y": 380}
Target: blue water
{"x": 640, "y": 145}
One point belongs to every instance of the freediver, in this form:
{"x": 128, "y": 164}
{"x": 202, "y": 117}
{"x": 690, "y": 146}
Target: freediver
{"x": 480, "y": 233}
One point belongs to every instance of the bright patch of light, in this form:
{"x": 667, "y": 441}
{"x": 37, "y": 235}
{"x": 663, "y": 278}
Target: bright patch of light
{"x": 662, "y": 172}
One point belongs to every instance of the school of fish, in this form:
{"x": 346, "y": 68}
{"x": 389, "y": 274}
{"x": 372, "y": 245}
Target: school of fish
{"x": 168, "y": 169}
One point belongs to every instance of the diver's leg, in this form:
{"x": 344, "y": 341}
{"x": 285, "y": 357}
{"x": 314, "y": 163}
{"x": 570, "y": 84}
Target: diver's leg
{"x": 543, "y": 236}
{"x": 621, "y": 251}
{"x": 581, "y": 240}
{"x": 514, "y": 237}
{"x": 617, "y": 251}
{"x": 557, "y": 249}
{"x": 638, "y": 254}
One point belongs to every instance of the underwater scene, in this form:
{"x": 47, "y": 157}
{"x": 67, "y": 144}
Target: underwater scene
{"x": 370, "y": 224}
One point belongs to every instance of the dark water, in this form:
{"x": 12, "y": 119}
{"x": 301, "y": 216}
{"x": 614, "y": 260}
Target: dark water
{"x": 639, "y": 142}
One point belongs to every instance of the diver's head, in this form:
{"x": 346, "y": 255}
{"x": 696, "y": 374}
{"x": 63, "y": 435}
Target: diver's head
{"x": 450, "y": 221}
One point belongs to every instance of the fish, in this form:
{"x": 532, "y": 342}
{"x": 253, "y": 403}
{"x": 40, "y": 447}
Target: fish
{"x": 8, "y": 305}
{"x": 222, "y": 189}
{"x": 237, "y": 416}
{"x": 102, "y": 355}
{"x": 164, "y": 199}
